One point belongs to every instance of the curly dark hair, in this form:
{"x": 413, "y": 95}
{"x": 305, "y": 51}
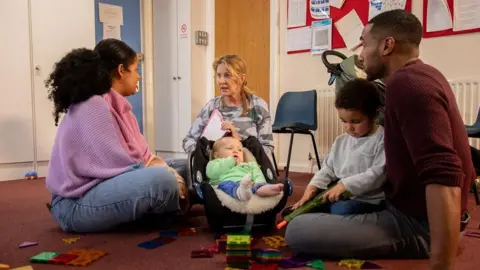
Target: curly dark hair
{"x": 78, "y": 76}
{"x": 360, "y": 95}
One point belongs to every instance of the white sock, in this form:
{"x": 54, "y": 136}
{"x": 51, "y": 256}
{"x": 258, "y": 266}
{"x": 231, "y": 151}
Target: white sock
{"x": 244, "y": 190}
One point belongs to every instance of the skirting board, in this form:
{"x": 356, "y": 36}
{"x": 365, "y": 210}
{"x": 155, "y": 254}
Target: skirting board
{"x": 298, "y": 167}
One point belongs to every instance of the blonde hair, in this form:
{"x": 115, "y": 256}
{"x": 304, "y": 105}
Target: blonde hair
{"x": 237, "y": 67}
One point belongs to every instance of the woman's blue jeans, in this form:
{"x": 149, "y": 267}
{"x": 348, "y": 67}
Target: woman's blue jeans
{"x": 121, "y": 199}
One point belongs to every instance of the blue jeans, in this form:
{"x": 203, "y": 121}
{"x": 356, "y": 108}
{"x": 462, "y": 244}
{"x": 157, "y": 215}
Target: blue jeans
{"x": 121, "y": 199}
{"x": 350, "y": 207}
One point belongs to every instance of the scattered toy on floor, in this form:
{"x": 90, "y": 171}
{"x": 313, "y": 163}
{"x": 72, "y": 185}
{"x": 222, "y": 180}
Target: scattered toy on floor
{"x": 238, "y": 251}
{"x": 267, "y": 256}
{"x": 274, "y": 241}
{"x": 4, "y": 266}
{"x": 27, "y": 244}
{"x": 352, "y": 264}
{"x": 43, "y": 257}
{"x": 26, "y": 267}
{"x": 260, "y": 266}
{"x": 70, "y": 240}
{"x": 31, "y": 175}
{"x": 317, "y": 264}
{"x": 157, "y": 242}
{"x": 85, "y": 256}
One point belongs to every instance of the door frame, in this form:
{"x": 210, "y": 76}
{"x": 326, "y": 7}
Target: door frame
{"x": 274, "y": 56}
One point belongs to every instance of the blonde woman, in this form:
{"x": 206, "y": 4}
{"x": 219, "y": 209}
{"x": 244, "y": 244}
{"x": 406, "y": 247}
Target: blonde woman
{"x": 244, "y": 113}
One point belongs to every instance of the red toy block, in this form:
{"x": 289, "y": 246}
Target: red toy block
{"x": 63, "y": 259}
{"x": 259, "y": 266}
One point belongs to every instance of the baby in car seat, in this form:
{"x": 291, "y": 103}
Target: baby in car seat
{"x": 230, "y": 173}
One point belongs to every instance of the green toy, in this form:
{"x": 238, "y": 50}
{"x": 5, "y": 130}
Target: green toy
{"x": 309, "y": 206}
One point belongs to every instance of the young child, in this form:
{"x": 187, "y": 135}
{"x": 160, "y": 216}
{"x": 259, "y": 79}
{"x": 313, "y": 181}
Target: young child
{"x": 357, "y": 158}
{"x": 228, "y": 171}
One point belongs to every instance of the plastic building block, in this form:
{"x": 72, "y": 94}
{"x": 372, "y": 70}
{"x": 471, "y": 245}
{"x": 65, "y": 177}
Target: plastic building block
{"x": 4, "y": 266}
{"x": 27, "y": 244}
{"x": 63, "y": 259}
{"x": 352, "y": 264}
{"x": 238, "y": 239}
{"x": 157, "y": 242}
{"x": 201, "y": 254}
{"x": 317, "y": 264}
{"x": 31, "y": 175}
{"x": 259, "y": 266}
{"x": 85, "y": 256}
{"x": 43, "y": 257}
{"x": 267, "y": 255}
{"x": 274, "y": 241}
{"x": 70, "y": 240}
{"x": 26, "y": 267}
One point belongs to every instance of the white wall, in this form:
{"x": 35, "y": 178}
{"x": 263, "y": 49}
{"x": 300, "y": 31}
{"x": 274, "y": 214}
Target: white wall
{"x": 304, "y": 72}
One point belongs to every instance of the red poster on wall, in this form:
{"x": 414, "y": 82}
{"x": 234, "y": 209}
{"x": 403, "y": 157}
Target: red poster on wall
{"x": 360, "y": 6}
{"x": 447, "y": 32}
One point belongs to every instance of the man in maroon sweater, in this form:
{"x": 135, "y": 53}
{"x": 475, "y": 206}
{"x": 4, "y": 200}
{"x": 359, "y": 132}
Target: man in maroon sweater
{"x": 428, "y": 160}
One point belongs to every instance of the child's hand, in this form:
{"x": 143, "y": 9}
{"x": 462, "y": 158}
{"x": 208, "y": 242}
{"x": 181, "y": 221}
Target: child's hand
{"x": 334, "y": 194}
{"x": 310, "y": 192}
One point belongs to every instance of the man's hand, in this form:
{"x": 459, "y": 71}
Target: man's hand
{"x": 334, "y": 193}
{"x": 443, "y": 207}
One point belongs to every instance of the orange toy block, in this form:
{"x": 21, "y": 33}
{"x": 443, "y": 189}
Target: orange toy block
{"x": 85, "y": 256}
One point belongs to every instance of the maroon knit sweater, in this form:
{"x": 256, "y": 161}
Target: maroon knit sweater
{"x": 425, "y": 138}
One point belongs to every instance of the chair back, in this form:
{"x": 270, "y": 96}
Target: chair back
{"x": 297, "y": 110}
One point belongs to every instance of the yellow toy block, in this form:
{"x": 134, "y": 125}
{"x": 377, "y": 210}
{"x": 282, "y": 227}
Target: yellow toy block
{"x": 70, "y": 240}
{"x": 4, "y": 266}
{"x": 352, "y": 264}
{"x": 26, "y": 267}
{"x": 274, "y": 241}
{"x": 238, "y": 239}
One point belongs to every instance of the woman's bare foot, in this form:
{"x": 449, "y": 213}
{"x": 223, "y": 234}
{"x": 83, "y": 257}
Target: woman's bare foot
{"x": 269, "y": 190}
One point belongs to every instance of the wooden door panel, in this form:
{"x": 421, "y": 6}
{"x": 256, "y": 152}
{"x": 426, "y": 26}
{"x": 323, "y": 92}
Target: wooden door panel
{"x": 243, "y": 28}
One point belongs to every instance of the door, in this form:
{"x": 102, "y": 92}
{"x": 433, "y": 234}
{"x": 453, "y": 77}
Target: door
{"x": 130, "y": 34}
{"x": 243, "y": 28}
{"x": 172, "y": 63}
{"x": 55, "y": 33}
{"x": 16, "y": 120}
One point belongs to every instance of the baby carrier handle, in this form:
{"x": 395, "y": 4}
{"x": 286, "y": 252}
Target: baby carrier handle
{"x": 333, "y": 68}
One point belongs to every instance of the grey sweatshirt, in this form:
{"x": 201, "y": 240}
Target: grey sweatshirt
{"x": 359, "y": 163}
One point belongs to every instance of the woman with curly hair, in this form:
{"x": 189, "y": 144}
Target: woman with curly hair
{"x": 101, "y": 172}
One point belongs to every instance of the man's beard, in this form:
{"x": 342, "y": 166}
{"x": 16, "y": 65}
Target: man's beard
{"x": 378, "y": 73}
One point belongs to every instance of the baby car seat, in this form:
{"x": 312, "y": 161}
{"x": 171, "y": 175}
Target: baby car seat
{"x": 224, "y": 213}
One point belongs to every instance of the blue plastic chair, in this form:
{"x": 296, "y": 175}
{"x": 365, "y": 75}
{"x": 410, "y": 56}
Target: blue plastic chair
{"x": 473, "y": 131}
{"x": 296, "y": 114}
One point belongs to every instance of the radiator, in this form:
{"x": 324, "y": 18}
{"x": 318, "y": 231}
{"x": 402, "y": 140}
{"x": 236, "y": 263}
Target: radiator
{"x": 467, "y": 93}
{"x": 329, "y": 125}
{"x": 468, "y": 101}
